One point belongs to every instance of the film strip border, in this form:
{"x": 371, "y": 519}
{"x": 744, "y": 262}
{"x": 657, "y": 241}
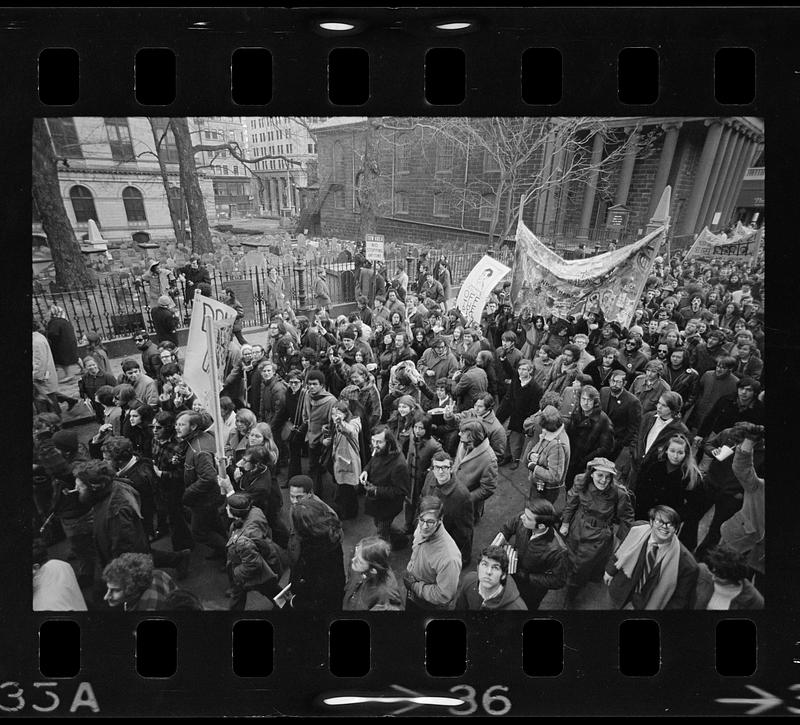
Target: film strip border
{"x": 234, "y": 664}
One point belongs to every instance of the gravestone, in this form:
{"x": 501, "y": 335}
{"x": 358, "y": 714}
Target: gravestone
{"x": 254, "y": 258}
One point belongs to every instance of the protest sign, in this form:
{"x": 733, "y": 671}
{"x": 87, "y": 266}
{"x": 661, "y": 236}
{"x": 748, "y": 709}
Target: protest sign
{"x": 197, "y": 372}
{"x": 375, "y": 247}
{"x": 742, "y": 246}
{"x": 611, "y": 282}
{"x": 477, "y": 287}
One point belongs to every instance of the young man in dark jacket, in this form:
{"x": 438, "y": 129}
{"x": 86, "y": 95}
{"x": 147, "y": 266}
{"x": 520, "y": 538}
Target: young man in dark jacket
{"x": 490, "y": 588}
{"x": 202, "y": 493}
{"x": 543, "y": 559}
{"x": 458, "y": 514}
{"x": 387, "y": 482}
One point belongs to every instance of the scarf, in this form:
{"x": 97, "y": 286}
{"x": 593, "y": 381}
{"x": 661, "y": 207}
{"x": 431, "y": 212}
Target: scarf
{"x": 628, "y": 554}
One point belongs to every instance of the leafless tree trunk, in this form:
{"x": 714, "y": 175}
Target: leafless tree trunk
{"x": 366, "y": 186}
{"x": 201, "y": 234}
{"x": 176, "y": 215}
{"x": 71, "y": 270}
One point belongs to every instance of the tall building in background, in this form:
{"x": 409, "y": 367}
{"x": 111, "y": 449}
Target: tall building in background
{"x": 277, "y": 182}
{"x": 233, "y": 196}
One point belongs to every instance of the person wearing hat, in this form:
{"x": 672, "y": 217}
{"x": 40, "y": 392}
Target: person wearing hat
{"x": 90, "y": 382}
{"x": 253, "y": 561}
{"x": 165, "y": 319}
{"x": 595, "y": 505}
{"x": 322, "y": 292}
{"x": 153, "y": 282}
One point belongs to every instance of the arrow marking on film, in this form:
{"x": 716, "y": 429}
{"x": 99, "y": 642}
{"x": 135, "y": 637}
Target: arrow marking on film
{"x": 766, "y": 701}
{"x": 414, "y": 700}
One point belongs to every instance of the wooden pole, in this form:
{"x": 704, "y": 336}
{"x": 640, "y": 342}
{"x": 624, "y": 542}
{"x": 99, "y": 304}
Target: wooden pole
{"x": 216, "y": 410}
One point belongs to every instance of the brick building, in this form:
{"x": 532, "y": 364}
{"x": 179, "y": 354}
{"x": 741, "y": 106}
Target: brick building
{"x": 426, "y": 187}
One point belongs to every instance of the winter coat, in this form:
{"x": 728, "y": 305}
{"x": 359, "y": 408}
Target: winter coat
{"x": 552, "y": 461}
{"x": 316, "y": 413}
{"x": 200, "y": 472}
{"x": 118, "y": 527}
{"x": 748, "y": 598}
{"x": 625, "y": 413}
{"x": 322, "y": 293}
{"x": 599, "y": 375}
{"x": 346, "y": 452}
{"x": 477, "y": 470}
{"x": 245, "y": 563}
{"x": 726, "y": 412}
{"x": 648, "y": 397}
{"x": 519, "y": 402}
{"x": 683, "y": 382}
{"x": 89, "y": 384}
{"x": 657, "y": 485}
{"x": 273, "y": 400}
{"x": 590, "y": 436}
{"x": 363, "y": 594}
{"x": 469, "y": 596}
{"x": 420, "y": 454}
{"x": 744, "y": 531}
{"x": 165, "y": 323}
{"x": 710, "y": 389}
{"x": 265, "y": 494}
{"x": 442, "y": 367}
{"x": 542, "y": 562}
{"x": 591, "y": 515}
{"x": 63, "y": 344}
{"x": 44, "y": 369}
{"x": 436, "y": 565}
{"x": 275, "y": 294}
{"x": 641, "y": 460}
{"x": 317, "y": 573}
{"x": 389, "y": 472}
{"x": 470, "y": 385}
{"x": 458, "y": 513}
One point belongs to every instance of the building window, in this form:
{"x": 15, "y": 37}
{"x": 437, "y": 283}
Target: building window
{"x": 65, "y": 137}
{"x": 487, "y": 208}
{"x": 490, "y": 163}
{"x": 441, "y": 204}
{"x": 236, "y": 171}
{"x": 401, "y": 203}
{"x": 403, "y": 154}
{"x": 168, "y": 150}
{"x": 83, "y": 205}
{"x": 225, "y": 169}
{"x": 134, "y": 204}
{"x": 339, "y": 166}
{"x": 290, "y": 149}
{"x": 444, "y": 156}
{"x": 338, "y": 199}
{"x": 310, "y": 148}
{"x": 119, "y": 136}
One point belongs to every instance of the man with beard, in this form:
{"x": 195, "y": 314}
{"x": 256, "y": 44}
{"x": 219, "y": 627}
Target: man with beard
{"x": 706, "y": 354}
{"x": 625, "y": 412}
{"x": 431, "y": 577}
{"x": 117, "y": 517}
{"x": 201, "y": 483}
{"x": 387, "y": 482}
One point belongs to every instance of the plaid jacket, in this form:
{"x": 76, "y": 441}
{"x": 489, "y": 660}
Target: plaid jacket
{"x": 155, "y": 595}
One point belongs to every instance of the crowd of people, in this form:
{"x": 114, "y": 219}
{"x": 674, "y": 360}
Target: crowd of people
{"x": 628, "y": 436}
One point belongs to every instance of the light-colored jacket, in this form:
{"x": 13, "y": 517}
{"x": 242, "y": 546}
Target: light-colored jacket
{"x": 436, "y": 565}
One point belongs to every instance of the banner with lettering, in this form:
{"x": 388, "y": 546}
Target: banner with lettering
{"x": 612, "y": 281}
{"x": 197, "y": 371}
{"x": 477, "y": 287}
{"x": 742, "y": 246}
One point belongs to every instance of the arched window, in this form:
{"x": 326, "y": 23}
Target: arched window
{"x": 134, "y": 204}
{"x": 83, "y": 205}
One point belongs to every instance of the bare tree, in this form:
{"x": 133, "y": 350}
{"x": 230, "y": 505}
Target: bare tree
{"x": 71, "y": 270}
{"x": 520, "y": 157}
{"x": 201, "y": 234}
{"x": 160, "y": 128}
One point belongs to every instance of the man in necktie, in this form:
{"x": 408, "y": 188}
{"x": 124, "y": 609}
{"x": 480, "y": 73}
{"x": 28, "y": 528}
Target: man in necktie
{"x": 652, "y": 569}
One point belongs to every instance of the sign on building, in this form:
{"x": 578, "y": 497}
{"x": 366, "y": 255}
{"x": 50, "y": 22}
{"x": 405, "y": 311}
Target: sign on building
{"x": 375, "y": 244}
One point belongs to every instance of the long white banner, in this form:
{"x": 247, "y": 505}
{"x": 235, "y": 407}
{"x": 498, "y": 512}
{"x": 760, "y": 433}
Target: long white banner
{"x": 477, "y": 287}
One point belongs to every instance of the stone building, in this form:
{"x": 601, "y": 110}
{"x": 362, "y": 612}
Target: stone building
{"x": 423, "y": 185}
{"x": 277, "y": 184}
{"x": 108, "y": 172}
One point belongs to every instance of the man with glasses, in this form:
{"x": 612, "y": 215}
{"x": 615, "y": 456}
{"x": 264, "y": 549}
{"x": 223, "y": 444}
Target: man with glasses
{"x": 437, "y": 362}
{"x": 458, "y": 510}
{"x": 432, "y": 575}
{"x": 387, "y": 481}
{"x": 652, "y": 569}
{"x": 151, "y": 357}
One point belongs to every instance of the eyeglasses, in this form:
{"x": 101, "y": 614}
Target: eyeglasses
{"x": 660, "y": 523}
{"x": 428, "y": 522}
{"x": 441, "y": 468}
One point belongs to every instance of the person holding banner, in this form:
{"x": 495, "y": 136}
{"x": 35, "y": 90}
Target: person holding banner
{"x": 202, "y": 493}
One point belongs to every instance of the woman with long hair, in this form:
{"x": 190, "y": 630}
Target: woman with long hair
{"x": 261, "y": 435}
{"x": 237, "y": 441}
{"x": 596, "y": 504}
{"x": 316, "y": 558}
{"x": 421, "y": 448}
{"x": 342, "y": 435}
{"x": 372, "y": 585}
{"x": 401, "y": 420}
{"x": 590, "y": 431}
{"x": 667, "y": 481}
{"x": 140, "y": 433}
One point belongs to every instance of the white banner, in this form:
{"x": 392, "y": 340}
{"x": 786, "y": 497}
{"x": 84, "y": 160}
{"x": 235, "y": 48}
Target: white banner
{"x": 477, "y": 287}
{"x": 197, "y": 372}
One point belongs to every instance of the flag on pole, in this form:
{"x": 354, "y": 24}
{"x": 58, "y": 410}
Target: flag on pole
{"x": 197, "y": 372}
{"x": 477, "y": 287}
{"x": 612, "y": 281}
